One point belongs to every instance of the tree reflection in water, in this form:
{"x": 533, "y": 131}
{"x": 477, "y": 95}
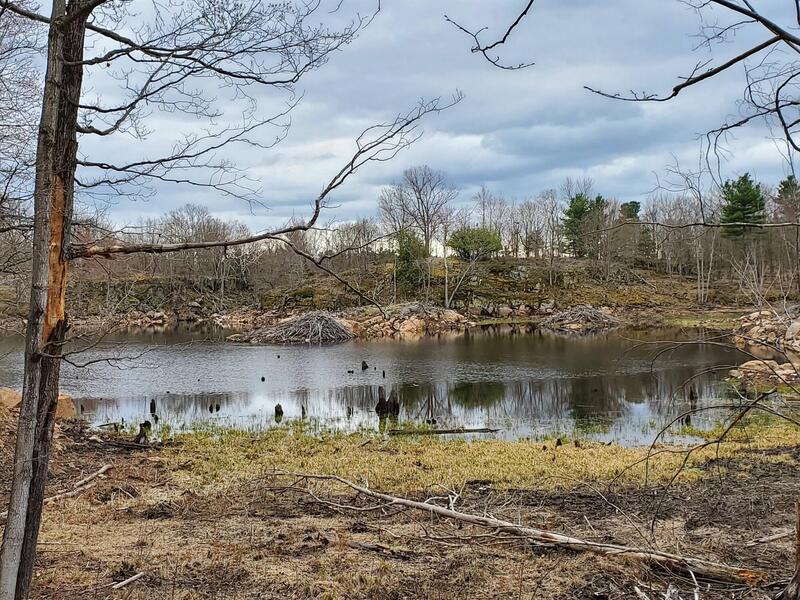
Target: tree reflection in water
{"x": 522, "y": 382}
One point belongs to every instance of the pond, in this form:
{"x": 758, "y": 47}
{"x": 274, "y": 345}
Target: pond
{"x": 620, "y": 386}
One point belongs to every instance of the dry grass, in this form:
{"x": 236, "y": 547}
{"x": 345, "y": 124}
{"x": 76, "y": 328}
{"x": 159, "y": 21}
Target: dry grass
{"x": 202, "y": 518}
{"x": 423, "y": 463}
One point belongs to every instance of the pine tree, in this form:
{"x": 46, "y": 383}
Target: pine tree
{"x": 743, "y": 203}
{"x": 646, "y": 250}
{"x": 577, "y": 221}
{"x": 574, "y": 217}
{"x": 788, "y": 199}
{"x": 411, "y": 256}
{"x": 627, "y": 237}
{"x": 629, "y": 211}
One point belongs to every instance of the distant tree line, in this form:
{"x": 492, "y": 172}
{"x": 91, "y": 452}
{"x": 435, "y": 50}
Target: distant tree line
{"x": 425, "y": 232}
{"x": 740, "y": 231}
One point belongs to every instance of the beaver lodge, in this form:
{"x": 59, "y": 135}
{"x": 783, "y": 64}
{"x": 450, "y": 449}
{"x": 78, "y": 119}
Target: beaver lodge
{"x": 318, "y": 327}
{"x": 581, "y": 319}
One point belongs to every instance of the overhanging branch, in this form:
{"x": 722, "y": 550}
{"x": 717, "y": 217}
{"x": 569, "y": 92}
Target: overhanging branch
{"x": 377, "y": 143}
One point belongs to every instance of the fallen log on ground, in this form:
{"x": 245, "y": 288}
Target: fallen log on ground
{"x": 381, "y": 549}
{"x": 79, "y": 487}
{"x": 770, "y": 538}
{"x": 673, "y": 562}
{"x": 124, "y": 443}
{"x": 102, "y": 470}
{"x": 128, "y": 581}
{"x": 441, "y": 431}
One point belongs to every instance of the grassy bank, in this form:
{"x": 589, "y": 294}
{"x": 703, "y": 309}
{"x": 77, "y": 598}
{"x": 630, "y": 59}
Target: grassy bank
{"x": 416, "y": 463}
{"x": 206, "y": 517}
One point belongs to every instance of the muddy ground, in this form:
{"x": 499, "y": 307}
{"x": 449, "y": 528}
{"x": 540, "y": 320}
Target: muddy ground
{"x": 197, "y": 534}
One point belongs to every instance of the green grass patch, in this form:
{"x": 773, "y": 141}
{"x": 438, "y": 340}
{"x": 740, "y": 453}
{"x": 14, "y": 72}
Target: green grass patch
{"x": 221, "y": 457}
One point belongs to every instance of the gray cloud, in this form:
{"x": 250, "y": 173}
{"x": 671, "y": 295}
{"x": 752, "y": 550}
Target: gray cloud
{"x": 519, "y": 132}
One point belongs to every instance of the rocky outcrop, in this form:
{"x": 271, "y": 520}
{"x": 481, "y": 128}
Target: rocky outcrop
{"x": 399, "y": 321}
{"x": 153, "y": 318}
{"x": 774, "y": 340}
{"x": 246, "y": 318}
{"x": 195, "y": 312}
{"x": 791, "y": 342}
{"x": 407, "y": 320}
{"x": 762, "y": 330}
{"x": 769, "y": 335}
{"x": 766, "y": 373}
{"x": 511, "y": 309}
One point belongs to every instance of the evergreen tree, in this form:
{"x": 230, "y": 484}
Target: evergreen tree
{"x": 411, "y": 257}
{"x": 629, "y": 211}
{"x": 625, "y": 240}
{"x": 574, "y": 216}
{"x": 788, "y": 199}
{"x": 578, "y": 221}
{"x": 743, "y": 203}
{"x": 646, "y": 250}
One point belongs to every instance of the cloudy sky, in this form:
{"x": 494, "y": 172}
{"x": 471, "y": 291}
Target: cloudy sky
{"x": 517, "y": 132}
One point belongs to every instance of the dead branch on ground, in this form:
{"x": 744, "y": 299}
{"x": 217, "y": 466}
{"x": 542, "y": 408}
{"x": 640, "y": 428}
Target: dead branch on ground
{"x": 79, "y": 487}
{"x": 672, "y": 562}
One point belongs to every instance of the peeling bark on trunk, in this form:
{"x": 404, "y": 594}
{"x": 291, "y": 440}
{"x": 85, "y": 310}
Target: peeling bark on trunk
{"x": 47, "y": 323}
{"x": 792, "y": 590}
{"x": 48, "y": 396}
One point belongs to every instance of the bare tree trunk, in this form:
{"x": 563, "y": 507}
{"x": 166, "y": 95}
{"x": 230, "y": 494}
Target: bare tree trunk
{"x": 223, "y": 269}
{"x": 428, "y": 268}
{"x": 792, "y": 591}
{"x": 702, "y": 271}
{"x": 710, "y": 268}
{"x": 47, "y": 324}
{"x": 797, "y": 257}
{"x": 446, "y": 282}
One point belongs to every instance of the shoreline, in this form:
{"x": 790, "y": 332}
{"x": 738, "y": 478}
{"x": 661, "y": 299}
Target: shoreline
{"x": 207, "y": 515}
{"x": 366, "y": 322}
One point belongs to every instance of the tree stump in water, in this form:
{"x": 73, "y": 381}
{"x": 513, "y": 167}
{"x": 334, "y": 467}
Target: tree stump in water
{"x": 394, "y": 404}
{"x": 382, "y": 407}
{"x": 387, "y": 408}
{"x": 144, "y": 433}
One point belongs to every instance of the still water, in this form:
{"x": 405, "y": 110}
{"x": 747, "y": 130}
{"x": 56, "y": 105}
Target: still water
{"x": 522, "y": 382}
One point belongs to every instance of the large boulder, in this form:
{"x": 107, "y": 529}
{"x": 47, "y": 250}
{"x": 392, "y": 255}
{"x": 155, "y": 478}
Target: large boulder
{"x": 765, "y": 373}
{"x": 451, "y": 317}
{"x": 504, "y": 312}
{"x": 406, "y": 320}
{"x": 412, "y": 325}
{"x": 762, "y": 333}
{"x": 791, "y": 341}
